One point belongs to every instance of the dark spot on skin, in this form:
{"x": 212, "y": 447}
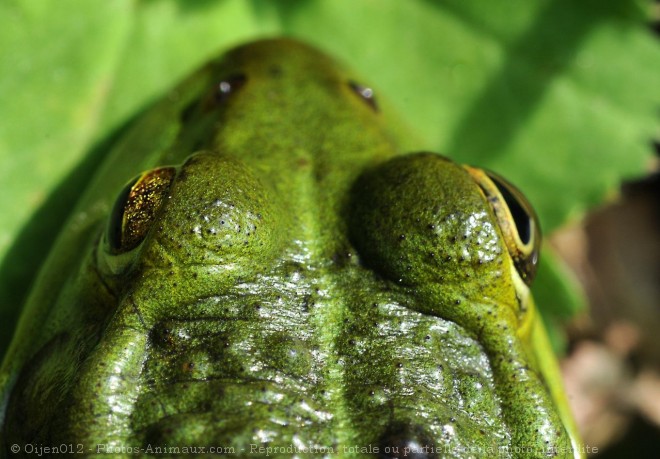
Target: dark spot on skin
{"x": 307, "y": 303}
{"x": 189, "y": 111}
{"x": 275, "y": 71}
{"x": 188, "y": 366}
{"x": 342, "y": 257}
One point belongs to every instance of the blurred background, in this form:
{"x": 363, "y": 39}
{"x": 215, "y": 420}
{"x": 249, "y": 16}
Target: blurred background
{"x": 612, "y": 364}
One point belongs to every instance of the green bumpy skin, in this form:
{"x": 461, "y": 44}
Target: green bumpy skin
{"x": 302, "y": 282}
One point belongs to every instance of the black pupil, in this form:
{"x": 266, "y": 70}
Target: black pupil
{"x": 518, "y": 212}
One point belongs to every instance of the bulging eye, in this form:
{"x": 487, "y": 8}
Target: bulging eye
{"x": 136, "y": 207}
{"x": 516, "y": 218}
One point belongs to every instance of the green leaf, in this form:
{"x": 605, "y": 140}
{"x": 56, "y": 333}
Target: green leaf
{"x": 557, "y": 95}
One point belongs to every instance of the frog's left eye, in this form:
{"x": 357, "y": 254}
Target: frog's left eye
{"x": 365, "y": 92}
{"x": 136, "y": 207}
{"x": 516, "y": 218}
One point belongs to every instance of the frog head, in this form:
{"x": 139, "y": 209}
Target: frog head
{"x": 287, "y": 273}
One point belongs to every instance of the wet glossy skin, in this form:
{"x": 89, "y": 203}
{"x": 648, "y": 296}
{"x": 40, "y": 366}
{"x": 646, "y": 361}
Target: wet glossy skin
{"x": 298, "y": 279}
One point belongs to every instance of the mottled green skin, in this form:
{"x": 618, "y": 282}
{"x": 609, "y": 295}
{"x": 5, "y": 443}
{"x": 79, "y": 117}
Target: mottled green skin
{"x": 299, "y": 287}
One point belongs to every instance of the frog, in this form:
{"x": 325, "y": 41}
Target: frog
{"x": 287, "y": 273}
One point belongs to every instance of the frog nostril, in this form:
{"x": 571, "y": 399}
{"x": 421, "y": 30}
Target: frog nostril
{"x": 229, "y": 85}
{"x": 405, "y": 440}
{"x": 365, "y": 92}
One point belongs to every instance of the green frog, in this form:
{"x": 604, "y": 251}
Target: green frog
{"x": 289, "y": 277}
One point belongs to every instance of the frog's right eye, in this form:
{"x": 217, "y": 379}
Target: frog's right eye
{"x": 516, "y": 218}
{"x": 136, "y": 208}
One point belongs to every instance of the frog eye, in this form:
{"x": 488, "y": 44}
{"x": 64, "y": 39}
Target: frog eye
{"x": 136, "y": 207}
{"x": 516, "y": 218}
{"x": 366, "y": 93}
